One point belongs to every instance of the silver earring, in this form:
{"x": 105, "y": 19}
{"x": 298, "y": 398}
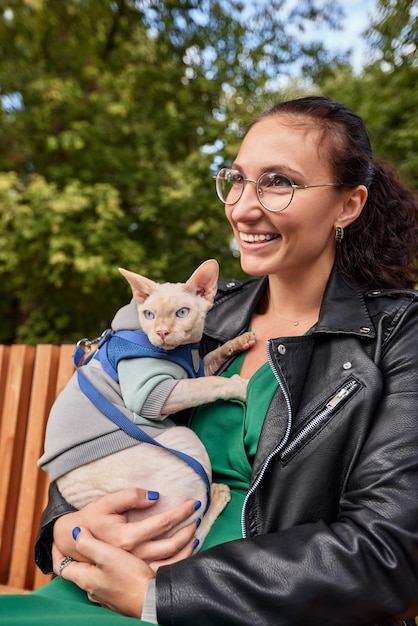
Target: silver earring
{"x": 339, "y": 234}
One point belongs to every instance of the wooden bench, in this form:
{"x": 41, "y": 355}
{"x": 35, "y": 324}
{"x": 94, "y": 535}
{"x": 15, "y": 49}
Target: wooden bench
{"x": 30, "y": 379}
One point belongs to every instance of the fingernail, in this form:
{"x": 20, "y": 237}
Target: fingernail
{"x": 197, "y": 505}
{"x": 152, "y": 495}
{"x": 195, "y": 544}
{"x": 198, "y": 522}
{"x": 76, "y": 532}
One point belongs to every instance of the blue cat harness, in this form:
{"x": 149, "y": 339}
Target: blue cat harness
{"x": 113, "y": 346}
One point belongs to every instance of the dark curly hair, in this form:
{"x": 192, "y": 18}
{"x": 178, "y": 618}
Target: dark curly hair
{"x": 379, "y": 249}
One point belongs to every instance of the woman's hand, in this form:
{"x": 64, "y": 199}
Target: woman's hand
{"x": 106, "y": 520}
{"x": 111, "y": 577}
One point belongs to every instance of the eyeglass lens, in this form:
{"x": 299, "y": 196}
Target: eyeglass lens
{"x": 274, "y": 190}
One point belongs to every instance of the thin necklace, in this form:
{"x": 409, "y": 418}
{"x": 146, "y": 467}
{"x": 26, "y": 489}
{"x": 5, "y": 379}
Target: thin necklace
{"x": 294, "y": 322}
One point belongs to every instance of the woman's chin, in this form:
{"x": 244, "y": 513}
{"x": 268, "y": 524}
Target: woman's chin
{"x": 254, "y": 266}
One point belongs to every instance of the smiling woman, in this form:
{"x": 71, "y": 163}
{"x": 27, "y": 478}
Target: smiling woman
{"x": 322, "y": 458}
{"x": 285, "y": 220}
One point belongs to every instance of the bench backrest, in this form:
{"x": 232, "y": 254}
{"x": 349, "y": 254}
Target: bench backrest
{"x": 30, "y": 379}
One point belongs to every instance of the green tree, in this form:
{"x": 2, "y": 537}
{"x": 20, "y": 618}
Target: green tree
{"x": 56, "y": 256}
{"x": 114, "y": 115}
{"x": 385, "y": 93}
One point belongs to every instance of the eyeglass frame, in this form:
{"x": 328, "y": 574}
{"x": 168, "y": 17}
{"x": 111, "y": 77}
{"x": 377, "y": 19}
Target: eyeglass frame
{"x": 293, "y": 185}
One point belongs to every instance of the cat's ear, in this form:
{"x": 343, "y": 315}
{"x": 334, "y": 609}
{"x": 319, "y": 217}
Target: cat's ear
{"x": 204, "y": 281}
{"x": 141, "y": 286}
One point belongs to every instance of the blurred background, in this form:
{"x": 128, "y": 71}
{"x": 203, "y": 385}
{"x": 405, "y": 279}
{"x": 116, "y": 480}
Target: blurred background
{"x": 115, "y": 114}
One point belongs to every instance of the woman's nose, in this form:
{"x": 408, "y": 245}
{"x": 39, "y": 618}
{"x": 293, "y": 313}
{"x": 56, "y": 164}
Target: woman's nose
{"x": 248, "y": 202}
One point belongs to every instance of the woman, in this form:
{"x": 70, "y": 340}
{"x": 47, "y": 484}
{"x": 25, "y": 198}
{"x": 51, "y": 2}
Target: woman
{"x": 323, "y": 463}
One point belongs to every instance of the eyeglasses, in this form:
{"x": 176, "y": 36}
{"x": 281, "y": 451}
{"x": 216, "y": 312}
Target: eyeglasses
{"x": 275, "y": 191}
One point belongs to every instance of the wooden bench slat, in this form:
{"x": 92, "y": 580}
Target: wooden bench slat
{"x": 42, "y": 397}
{"x": 31, "y": 379}
{"x": 12, "y": 438}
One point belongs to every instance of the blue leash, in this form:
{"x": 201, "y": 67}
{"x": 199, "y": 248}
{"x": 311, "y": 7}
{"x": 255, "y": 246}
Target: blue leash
{"x": 133, "y": 430}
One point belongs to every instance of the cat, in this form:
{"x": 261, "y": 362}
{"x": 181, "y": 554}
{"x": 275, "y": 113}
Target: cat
{"x": 91, "y": 463}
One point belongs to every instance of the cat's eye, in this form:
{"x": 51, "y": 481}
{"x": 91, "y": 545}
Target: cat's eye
{"x": 183, "y": 312}
{"x": 149, "y": 315}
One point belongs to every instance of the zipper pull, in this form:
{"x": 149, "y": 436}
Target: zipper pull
{"x": 335, "y": 400}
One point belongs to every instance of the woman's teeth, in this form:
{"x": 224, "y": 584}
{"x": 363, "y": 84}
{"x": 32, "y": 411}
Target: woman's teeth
{"x": 257, "y": 237}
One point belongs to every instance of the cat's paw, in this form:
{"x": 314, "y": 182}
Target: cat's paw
{"x": 221, "y": 495}
{"x": 247, "y": 340}
{"x": 238, "y": 387}
{"x": 239, "y": 344}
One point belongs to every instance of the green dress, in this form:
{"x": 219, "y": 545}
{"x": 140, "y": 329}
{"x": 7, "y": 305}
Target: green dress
{"x": 230, "y": 431}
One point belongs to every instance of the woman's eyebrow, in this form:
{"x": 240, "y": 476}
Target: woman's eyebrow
{"x": 277, "y": 167}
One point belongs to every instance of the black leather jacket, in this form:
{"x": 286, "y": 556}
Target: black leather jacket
{"x": 331, "y": 517}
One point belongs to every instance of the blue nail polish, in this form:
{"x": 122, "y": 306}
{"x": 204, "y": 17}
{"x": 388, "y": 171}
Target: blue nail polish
{"x": 153, "y": 495}
{"x": 195, "y": 544}
{"x": 197, "y": 505}
{"x": 198, "y": 522}
{"x": 76, "y": 532}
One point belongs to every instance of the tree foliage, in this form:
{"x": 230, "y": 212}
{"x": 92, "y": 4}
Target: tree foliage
{"x": 385, "y": 93}
{"x": 115, "y": 114}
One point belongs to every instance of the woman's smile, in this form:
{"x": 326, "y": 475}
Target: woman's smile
{"x": 248, "y": 237}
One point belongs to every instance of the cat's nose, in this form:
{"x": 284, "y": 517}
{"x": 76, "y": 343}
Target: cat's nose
{"x": 162, "y": 333}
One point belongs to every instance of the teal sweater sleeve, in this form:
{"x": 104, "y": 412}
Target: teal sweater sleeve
{"x": 145, "y": 385}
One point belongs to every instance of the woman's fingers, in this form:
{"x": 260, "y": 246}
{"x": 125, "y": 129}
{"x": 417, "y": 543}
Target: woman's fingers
{"x": 57, "y": 558}
{"x": 57, "y": 555}
{"x": 136, "y": 534}
{"x": 119, "y": 502}
{"x": 112, "y": 577}
{"x": 168, "y": 547}
{"x": 184, "y": 553}
{"x": 105, "y": 518}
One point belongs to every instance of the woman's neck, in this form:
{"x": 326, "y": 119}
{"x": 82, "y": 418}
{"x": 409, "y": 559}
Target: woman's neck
{"x": 288, "y": 309}
{"x": 296, "y": 302}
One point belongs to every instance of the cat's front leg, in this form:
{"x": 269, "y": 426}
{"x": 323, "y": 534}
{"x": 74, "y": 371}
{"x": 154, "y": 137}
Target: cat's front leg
{"x": 215, "y": 359}
{"x": 191, "y": 392}
{"x": 220, "y": 496}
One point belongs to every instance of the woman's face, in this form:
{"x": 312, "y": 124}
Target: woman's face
{"x": 302, "y": 237}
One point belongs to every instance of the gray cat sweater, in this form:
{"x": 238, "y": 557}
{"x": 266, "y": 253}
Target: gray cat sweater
{"x": 78, "y": 432}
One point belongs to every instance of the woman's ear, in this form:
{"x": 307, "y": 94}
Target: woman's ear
{"x": 352, "y": 206}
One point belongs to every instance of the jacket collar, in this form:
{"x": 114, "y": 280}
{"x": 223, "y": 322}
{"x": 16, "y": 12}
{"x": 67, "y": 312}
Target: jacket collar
{"x": 343, "y": 309}
{"x": 233, "y": 308}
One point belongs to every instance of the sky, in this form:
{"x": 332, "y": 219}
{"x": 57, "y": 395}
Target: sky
{"x": 358, "y": 16}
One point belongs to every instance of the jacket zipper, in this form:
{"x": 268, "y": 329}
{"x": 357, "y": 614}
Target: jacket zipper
{"x": 331, "y": 405}
{"x": 277, "y": 449}
{"x": 329, "y": 408}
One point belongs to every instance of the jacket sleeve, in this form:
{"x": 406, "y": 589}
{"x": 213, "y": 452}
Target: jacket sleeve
{"x": 56, "y": 507}
{"x": 358, "y": 568}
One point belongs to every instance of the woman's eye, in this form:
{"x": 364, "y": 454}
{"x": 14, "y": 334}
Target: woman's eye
{"x": 234, "y": 177}
{"x": 183, "y": 312}
{"x": 149, "y": 315}
{"x": 277, "y": 180}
